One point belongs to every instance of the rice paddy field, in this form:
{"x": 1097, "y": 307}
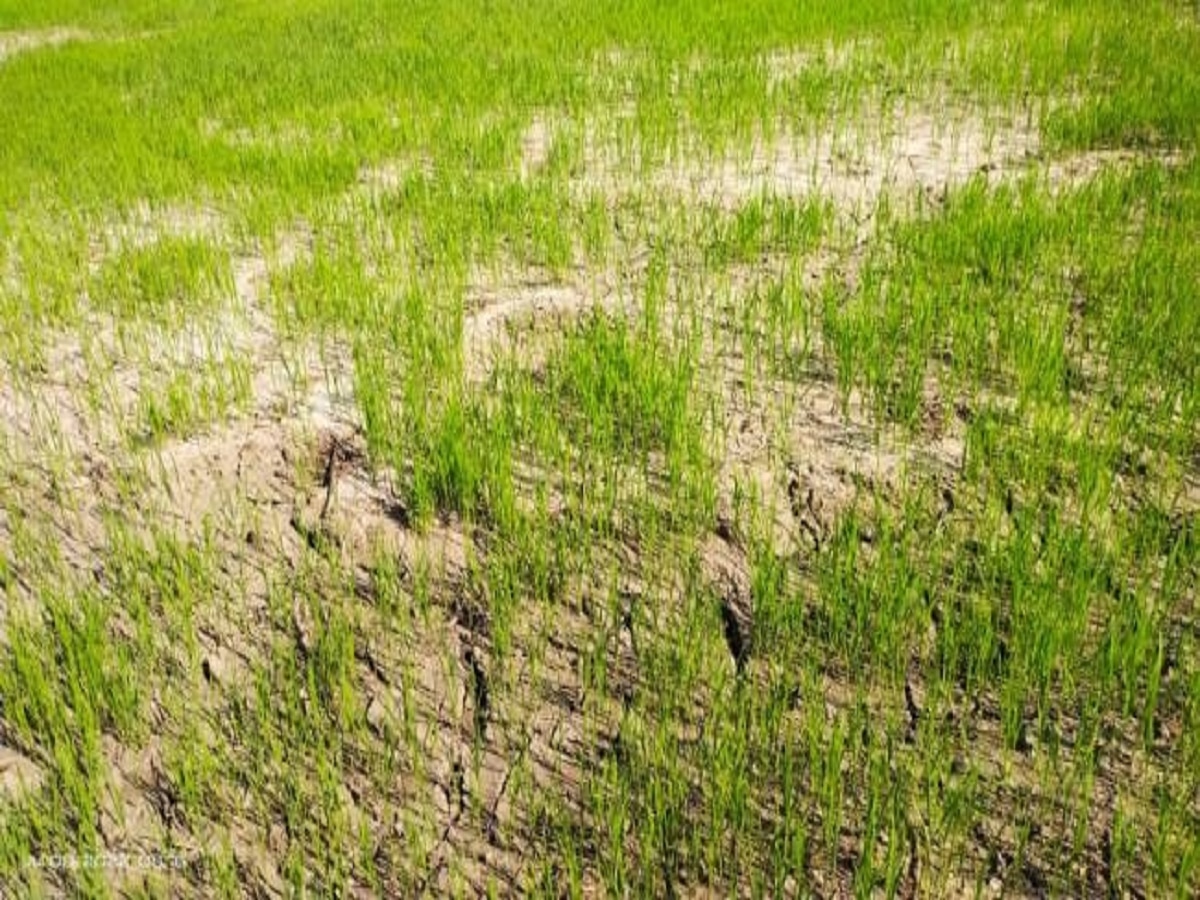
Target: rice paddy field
{"x": 599, "y": 449}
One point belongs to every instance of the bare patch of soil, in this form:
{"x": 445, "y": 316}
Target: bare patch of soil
{"x": 902, "y": 155}
{"x": 1080, "y": 168}
{"x": 509, "y": 313}
{"x": 388, "y": 176}
{"x": 284, "y": 138}
{"x": 808, "y": 456}
{"x": 536, "y": 144}
{"x": 786, "y": 64}
{"x": 490, "y": 740}
{"x": 19, "y": 775}
{"x": 145, "y": 225}
{"x": 94, "y": 377}
{"x": 14, "y": 42}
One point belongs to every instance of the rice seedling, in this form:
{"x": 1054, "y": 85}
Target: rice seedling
{"x": 630, "y": 449}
